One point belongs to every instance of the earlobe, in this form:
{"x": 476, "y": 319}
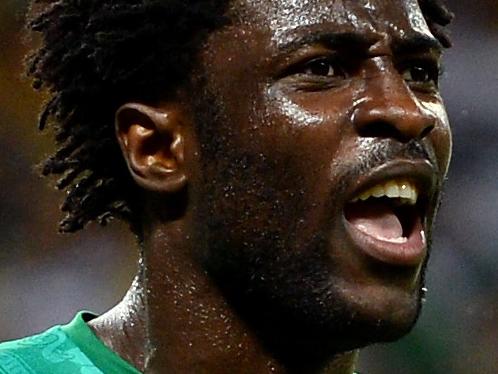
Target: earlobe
{"x": 152, "y": 142}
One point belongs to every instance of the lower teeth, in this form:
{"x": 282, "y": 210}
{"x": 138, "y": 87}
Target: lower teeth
{"x": 400, "y": 240}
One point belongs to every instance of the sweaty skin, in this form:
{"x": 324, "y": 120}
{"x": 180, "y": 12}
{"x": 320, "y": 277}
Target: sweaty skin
{"x": 249, "y": 263}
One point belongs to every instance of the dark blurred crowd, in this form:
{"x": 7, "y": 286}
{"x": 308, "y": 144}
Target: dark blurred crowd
{"x": 46, "y": 278}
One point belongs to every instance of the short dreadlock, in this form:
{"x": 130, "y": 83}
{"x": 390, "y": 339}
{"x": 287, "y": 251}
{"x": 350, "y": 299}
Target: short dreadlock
{"x": 99, "y": 54}
{"x": 95, "y": 56}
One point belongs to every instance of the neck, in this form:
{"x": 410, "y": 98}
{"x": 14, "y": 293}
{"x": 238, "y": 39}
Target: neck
{"x": 177, "y": 320}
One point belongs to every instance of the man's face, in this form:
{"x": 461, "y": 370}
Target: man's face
{"x": 317, "y": 102}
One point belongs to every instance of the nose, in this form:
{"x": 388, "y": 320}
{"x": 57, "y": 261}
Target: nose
{"x": 390, "y": 109}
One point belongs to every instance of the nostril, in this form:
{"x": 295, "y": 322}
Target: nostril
{"x": 426, "y": 131}
{"x": 380, "y": 129}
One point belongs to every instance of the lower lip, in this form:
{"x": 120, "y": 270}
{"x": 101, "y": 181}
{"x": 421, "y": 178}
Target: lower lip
{"x": 410, "y": 253}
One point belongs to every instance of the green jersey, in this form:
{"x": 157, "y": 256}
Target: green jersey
{"x": 68, "y": 349}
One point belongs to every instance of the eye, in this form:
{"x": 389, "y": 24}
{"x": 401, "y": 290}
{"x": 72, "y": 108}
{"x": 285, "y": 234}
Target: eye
{"x": 421, "y": 73}
{"x": 323, "y": 67}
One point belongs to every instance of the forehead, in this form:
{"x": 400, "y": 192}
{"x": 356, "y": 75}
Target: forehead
{"x": 286, "y": 19}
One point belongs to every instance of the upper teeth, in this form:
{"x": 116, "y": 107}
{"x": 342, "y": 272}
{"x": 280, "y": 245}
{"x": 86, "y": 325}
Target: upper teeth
{"x": 395, "y": 189}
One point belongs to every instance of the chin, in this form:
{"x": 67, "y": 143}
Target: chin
{"x": 336, "y": 319}
{"x": 292, "y": 336}
{"x": 384, "y": 317}
{"x": 309, "y": 320}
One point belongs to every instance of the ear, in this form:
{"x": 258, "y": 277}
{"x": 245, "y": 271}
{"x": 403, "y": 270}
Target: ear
{"x": 152, "y": 141}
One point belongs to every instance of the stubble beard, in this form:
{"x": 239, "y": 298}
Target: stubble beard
{"x": 291, "y": 301}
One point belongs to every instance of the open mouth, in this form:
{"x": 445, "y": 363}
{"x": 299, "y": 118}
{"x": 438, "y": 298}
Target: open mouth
{"x": 387, "y": 222}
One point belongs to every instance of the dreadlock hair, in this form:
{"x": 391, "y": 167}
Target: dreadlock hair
{"x": 96, "y": 55}
{"x": 437, "y": 16}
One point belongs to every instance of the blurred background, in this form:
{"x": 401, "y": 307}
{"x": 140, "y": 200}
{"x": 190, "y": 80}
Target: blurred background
{"x": 46, "y": 278}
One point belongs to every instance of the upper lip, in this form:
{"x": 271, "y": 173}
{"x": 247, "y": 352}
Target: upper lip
{"x": 419, "y": 172}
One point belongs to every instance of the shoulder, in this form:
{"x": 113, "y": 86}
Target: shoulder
{"x": 49, "y": 352}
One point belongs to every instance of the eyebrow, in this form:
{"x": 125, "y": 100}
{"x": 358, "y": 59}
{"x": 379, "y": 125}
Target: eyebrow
{"x": 416, "y": 42}
{"x": 331, "y": 39}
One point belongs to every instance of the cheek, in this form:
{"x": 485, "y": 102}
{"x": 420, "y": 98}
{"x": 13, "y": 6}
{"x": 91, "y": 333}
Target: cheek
{"x": 441, "y": 135}
{"x": 443, "y": 138}
{"x": 279, "y": 173}
{"x": 312, "y": 124}
{"x": 296, "y": 142}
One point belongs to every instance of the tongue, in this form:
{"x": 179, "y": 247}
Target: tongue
{"x": 375, "y": 219}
